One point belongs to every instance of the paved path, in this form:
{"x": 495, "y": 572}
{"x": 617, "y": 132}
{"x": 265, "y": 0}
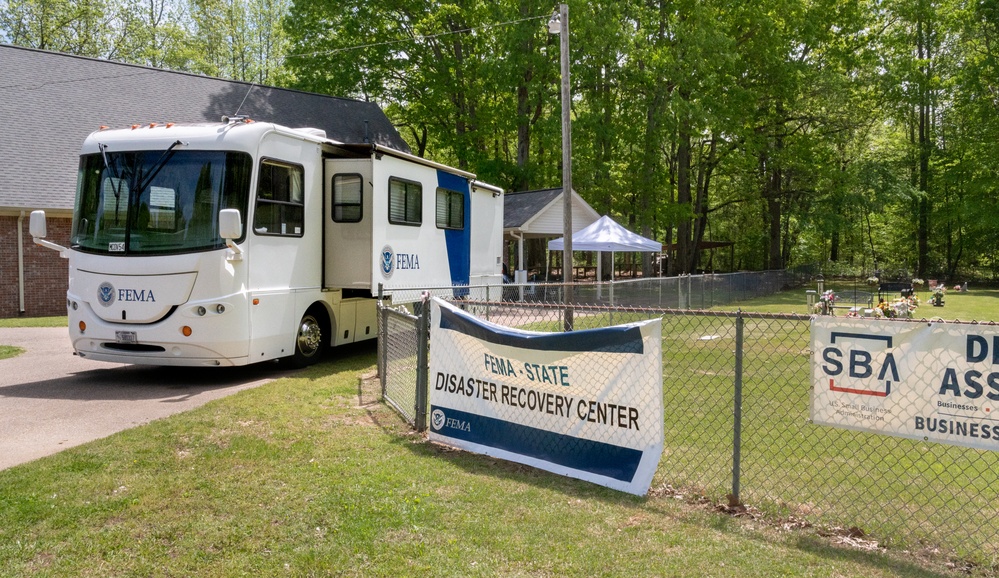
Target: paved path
{"x": 51, "y": 399}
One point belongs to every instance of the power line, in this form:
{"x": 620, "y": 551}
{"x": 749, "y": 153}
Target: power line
{"x": 416, "y": 38}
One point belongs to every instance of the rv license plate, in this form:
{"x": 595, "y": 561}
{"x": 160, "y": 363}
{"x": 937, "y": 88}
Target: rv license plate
{"x": 125, "y": 337}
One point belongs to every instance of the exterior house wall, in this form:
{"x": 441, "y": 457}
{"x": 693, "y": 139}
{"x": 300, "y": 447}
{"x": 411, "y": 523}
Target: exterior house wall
{"x": 46, "y": 273}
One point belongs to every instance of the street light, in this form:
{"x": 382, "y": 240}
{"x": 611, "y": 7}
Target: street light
{"x": 559, "y": 24}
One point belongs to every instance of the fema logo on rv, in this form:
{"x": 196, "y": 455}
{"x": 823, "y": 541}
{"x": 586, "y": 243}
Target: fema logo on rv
{"x": 106, "y": 294}
{"x": 387, "y": 262}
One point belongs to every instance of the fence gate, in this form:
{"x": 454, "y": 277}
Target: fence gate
{"x": 402, "y": 362}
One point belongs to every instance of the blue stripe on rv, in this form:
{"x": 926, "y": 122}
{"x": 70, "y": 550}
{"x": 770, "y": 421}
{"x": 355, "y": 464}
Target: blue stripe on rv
{"x": 598, "y": 458}
{"x": 620, "y": 339}
{"x": 458, "y": 242}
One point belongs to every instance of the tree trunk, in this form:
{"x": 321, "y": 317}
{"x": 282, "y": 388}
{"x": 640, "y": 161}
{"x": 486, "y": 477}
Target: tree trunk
{"x": 521, "y": 181}
{"x": 923, "y": 204}
{"x": 704, "y": 170}
{"x": 683, "y": 196}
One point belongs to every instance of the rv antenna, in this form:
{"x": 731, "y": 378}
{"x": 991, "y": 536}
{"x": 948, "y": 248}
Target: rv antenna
{"x": 248, "y": 90}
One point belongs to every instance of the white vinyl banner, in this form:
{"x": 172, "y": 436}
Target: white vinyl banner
{"x": 927, "y": 381}
{"x": 585, "y": 404}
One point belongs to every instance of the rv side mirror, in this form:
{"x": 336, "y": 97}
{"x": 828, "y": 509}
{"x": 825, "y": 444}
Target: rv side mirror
{"x": 38, "y": 230}
{"x": 230, "y": 224}
{"x": 37, "y": 226}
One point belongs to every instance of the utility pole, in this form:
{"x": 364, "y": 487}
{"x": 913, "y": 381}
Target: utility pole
{"x": 560, "y": 25}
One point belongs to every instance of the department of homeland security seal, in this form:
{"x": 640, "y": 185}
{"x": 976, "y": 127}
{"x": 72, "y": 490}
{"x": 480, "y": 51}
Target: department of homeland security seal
{"x": 106, "y": 294}
{"x": 386, "y": 261}
{"x": 437, "y": 419}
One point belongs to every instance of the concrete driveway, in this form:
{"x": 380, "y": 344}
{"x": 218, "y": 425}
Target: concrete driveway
{"x": 51, "y": 399}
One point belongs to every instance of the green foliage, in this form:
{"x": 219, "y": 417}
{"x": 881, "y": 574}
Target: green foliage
{"x": 225, "y": 38}
{"x": 8, "y": 351}
{"x": 857, "y": 132}
{"x": 57, "y": 321}
{"x": 60, "y": 25}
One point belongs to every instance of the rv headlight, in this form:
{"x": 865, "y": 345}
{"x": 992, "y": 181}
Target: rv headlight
{"x": 220, "y": 309}
{"x": 201, "y": 310}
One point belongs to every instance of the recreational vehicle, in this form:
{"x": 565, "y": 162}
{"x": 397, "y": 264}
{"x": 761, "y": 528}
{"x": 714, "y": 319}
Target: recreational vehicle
{"x": 241, "y": 242}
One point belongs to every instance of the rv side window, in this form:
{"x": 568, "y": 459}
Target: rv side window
{"x": 405, "y": 202}
{"x": 347, "y": 195}
{"x": 450, "y": 209}
{"x": 280, "y": 200}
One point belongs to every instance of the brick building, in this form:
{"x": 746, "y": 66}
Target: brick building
{"x": 50, "y": 102}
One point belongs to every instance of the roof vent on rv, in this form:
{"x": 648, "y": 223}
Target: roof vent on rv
{"x": 313, "y": 131}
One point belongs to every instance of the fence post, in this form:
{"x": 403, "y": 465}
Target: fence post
{"x": 382, "y": 339}
{"x": 422, "y": 363}
{"x": 567, "y": 315}
{"x": 737, "y": 424}
{"x": 488, "y": 299}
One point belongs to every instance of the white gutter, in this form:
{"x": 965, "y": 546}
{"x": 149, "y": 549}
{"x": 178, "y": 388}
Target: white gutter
{"x": 428, "y": 163}
{"x": 496, "y": 191}
{"x": 20, "y": 261}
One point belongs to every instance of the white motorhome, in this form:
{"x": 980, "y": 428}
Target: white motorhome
{"x": 241, "y": 242}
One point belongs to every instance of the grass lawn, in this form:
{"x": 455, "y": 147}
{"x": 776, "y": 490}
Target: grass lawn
{"x": 8, "y": 351}
{"x": 58, "y": 321}
{"x": 975, "y": 305}
{"x": 310, "y": 475}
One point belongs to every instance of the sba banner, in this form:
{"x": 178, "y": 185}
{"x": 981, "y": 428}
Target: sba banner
{"x": 933, "y": 381}
{"x": 585, "y": 404}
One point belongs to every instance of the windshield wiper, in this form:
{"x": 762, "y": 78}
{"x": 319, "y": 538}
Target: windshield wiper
{"x": 135, "y": 192}
{"x": 160, "y": 163}
{"x": 115, "y": 175}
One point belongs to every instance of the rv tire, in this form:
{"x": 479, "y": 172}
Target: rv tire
{"x": 310, "y": 339}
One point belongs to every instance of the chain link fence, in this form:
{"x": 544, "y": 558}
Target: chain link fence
{"x": 402, "y": 362}
{"x": 683, "y": 292}
{"x": 736, "y": 397}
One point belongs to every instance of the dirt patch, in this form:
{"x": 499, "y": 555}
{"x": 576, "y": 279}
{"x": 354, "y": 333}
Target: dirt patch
{"x": 369, "y": 389}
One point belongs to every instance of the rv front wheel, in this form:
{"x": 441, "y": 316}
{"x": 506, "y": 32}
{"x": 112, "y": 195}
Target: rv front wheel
{"x": 310, "y": 341}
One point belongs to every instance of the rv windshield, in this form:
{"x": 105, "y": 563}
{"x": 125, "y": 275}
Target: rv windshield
{"x": 152, "y": 202}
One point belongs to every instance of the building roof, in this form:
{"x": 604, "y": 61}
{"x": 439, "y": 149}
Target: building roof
{"x": 519, "y": 207}
{"x": 52, "y": 101}
{"x": 540, "y": 213}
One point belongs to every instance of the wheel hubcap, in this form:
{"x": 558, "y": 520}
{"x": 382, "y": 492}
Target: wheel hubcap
{"x": 309, "y": 336}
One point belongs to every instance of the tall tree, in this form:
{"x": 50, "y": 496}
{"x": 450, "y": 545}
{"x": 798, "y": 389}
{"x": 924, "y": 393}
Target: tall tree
{"x": 154, "y": 33}
{"x": 74, "y": 26}
{"x": 238, "y": 40}
{"x": 910, "y": 47}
